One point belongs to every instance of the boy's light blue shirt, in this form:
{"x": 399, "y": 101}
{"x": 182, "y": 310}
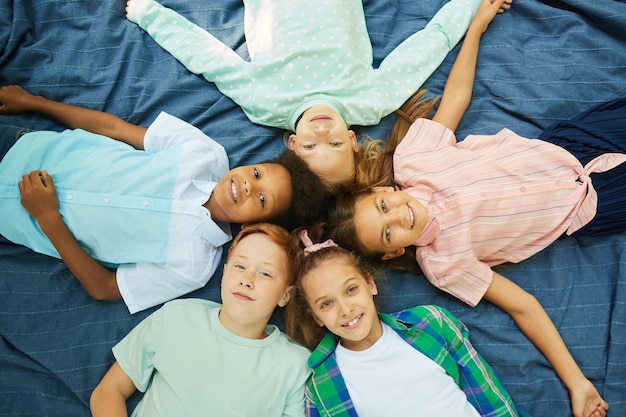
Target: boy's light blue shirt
{"x": 92, "y": 174}
{"x": 115, "y": 199}
{"x": 306, "y": 52}
{"x": 128, "y": 208}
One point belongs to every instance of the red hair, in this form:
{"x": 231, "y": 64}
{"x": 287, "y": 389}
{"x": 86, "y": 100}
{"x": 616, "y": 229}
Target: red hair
{"x": 276, "y": 233}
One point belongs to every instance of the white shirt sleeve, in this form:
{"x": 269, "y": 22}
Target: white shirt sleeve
{"x": 146, "y": 285}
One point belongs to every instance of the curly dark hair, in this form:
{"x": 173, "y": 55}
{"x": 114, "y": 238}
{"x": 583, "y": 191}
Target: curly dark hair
{"x": 309, "y": 198}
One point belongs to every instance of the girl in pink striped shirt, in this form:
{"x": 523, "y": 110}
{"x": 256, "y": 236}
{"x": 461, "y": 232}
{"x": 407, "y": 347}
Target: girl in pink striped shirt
{"x": 466, "y": 206}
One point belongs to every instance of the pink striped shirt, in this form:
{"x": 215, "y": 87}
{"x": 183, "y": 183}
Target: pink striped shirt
{"x": 491, "y": 199}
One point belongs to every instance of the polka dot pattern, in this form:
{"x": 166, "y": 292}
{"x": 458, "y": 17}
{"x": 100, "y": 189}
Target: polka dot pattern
{"x": 310, "y": 50}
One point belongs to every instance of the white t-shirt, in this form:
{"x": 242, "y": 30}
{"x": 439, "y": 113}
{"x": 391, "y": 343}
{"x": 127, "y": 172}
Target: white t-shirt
{"x": 391, "y": 378}
{"x": 188, "y": 364}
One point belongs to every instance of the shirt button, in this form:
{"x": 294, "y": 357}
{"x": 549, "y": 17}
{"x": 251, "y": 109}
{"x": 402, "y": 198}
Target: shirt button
{"x": 522, "y": 189}
{"x": 483, "y": 194}
{"x": 70, "y": 196}
{"x": 107, "y": 200}
{"x": 146, "y": 202}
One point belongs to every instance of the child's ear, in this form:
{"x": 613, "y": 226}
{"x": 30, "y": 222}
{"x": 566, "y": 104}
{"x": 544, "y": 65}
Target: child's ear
{"x": 372, "y": 284}
{"x": 291, "y": 143}
{"x": 386, "y": 189}
{"x": 393, "y": 254}
{"x": 355, "y": 142}
{"x": 287, "y": 296}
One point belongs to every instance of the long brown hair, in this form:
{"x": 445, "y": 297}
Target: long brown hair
{"x": 374, "y": 165}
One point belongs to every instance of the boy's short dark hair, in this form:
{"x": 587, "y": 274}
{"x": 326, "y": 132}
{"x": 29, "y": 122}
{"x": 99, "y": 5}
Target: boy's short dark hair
{"x": 309, "y": 198}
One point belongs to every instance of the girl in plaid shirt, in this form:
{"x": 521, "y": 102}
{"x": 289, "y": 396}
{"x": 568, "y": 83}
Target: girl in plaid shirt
{"x": 365, "y": 362}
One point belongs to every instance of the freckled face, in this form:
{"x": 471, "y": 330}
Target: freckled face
{"x": 255, "y": 281}
{"x": 342, "y": 299}
{"x": 324, "y": 142}
{"x": 251, "y": 193}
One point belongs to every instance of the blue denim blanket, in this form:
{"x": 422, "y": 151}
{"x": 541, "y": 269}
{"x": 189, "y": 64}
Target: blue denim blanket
{"x": 541, "y": 62}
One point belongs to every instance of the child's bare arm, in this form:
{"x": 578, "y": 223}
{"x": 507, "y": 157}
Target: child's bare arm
{"x": 457, "y": 92}
{"x": 109, "y": 397}
{"x": 14, "y": 99}
{"x": 39, "y": 198}
{"x": 535, "y": 323}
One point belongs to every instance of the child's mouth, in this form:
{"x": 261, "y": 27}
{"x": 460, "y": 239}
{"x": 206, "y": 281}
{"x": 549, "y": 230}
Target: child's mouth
{"x": 233, "y": 191}
{"x": 320, "y": 117}
{"x": 411, "y": 217}
{"x": 353, "y": 322}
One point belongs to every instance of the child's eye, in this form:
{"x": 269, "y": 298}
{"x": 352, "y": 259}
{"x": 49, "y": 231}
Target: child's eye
{"x": 262, "y": 200}
{"x": 335, "y": 144}
{"x": 383, "y": 206}
{"x": 309, "y": 146}
{"x": 239, "y": 266}
{"x": 325, "y": 304}
{"x": 388, "y": 234}
{"x": 265, "y": 274}
{"x": 256, "y": 173}
{"x": 352, "y": 289}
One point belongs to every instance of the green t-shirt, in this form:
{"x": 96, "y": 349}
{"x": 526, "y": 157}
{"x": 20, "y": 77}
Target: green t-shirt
{"x": 188, "y": 364}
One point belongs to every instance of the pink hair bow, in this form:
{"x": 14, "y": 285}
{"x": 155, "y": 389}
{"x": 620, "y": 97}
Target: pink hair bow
{"x": 310, "y": 247}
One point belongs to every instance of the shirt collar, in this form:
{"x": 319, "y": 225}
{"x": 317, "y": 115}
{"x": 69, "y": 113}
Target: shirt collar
{"x": 217, "y": 234}
{"x": 430, "y": 232}
{"x": 295, "y": 114}
{"x": 328, "y": 344}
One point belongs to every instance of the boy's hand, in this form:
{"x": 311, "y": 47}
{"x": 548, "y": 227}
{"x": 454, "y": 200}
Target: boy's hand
{"x": 14, "y": 99}
{"x": 39, "y": 196}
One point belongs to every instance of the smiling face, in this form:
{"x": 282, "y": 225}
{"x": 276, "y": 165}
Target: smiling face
{"x": 255, "y": 280}
{"x": 324, "y": 142}
{"x": 251, "y": 193}
{"x": 342, "y": 299}
{"x": 387, "y": 221}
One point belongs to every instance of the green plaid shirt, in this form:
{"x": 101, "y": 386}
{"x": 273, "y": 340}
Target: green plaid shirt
{"x": 436, "y": 333}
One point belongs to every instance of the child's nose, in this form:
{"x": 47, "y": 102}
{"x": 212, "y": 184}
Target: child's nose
{"x": 321, "y": 130}
{"x": 400, "y": 216}
{"x": 247, "y": 279}
{"x": 346, "y": 307}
